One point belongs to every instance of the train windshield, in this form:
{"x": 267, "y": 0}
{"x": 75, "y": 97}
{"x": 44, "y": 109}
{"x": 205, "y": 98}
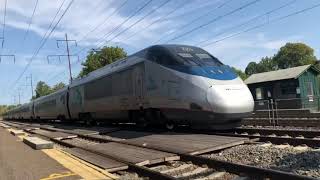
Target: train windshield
{"x": 185, "y": 56}
{"x": 197, "y": 56}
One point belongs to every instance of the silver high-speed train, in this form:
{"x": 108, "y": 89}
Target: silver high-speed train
{"x": 162, "y": 84}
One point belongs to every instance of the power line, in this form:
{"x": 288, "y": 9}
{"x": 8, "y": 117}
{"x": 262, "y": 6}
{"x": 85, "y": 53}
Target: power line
{"x": 104, "y": 21}
{"x": 214, "y": 20}
{"x": 4, "y": 17}
{"x": 105, "y": 36}
{"x": 192, "y": 11}
{"x": 29, "y": 25}
{"x": 157, "y": 20}
{"x": 250, "y": 20}
{"x": 264, "y": 24}
{"x": 4, "y": 24}
{"x": 139, "y": 20}
{"x": 30, "y": 22}
{"x": 191, "y": 22}
{"x": 43, "y": 41}
{"x": 126, "y": 20}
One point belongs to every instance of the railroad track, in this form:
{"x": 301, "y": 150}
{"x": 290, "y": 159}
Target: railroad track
{"x": 293, "y": 137}
{"x": 200, "y": 167}
{"x": 293, "y": 121}
{"x": 280, "y": 132}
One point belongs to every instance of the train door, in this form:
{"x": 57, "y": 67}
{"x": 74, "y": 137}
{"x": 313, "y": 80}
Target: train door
{"x": 76, "y": 101}
{"x": 138, "y": 85}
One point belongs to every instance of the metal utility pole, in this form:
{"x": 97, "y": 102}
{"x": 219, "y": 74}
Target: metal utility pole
{"x": 66, "y": 40}
{"x": 30, "y": 84}
{"x": 14, "y": 99}
{"x": 19, "y": 95}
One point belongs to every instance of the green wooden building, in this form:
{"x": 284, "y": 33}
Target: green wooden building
{"x": 292, "y": 88}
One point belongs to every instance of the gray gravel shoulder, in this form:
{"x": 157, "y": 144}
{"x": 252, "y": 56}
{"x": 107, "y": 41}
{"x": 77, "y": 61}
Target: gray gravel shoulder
{"x": 299, "y": 160}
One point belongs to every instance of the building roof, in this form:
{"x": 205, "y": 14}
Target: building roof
{"x": 290, "y": 73}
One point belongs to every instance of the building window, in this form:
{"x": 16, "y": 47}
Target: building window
{"x": 309, "y": 89}
{"x": 259, "y": 93}
{"x": 269, "y": 94}
{"x": 288, "y": 88}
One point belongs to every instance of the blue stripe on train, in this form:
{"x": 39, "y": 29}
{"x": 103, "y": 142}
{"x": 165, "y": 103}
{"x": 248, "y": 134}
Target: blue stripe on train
{"x": 212, "y": 72}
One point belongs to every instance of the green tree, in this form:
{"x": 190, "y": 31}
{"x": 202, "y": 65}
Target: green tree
{"x": 6, "y": 108}
{"x": 294, "y": 54}
{"x": 290, "y": 55}
{"x": 267, "y": 64}
{"x": 58, "y": 87}
{"x": 242, "y": 75}
{"x": 98, "y": 59}
{"x": 42, "y": 89}
{"x": 251, "y": 68}
{"x": 3, "y": 109}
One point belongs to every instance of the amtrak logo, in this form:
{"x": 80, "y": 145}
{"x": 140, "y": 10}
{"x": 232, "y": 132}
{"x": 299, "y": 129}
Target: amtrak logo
{"x": 186, "y": 49}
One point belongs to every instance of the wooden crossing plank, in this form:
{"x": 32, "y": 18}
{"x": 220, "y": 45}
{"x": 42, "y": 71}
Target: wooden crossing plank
{"x": 86, "y": 130}
{"x": 133, "y": 154}
{"x": 186, "y": 143}
{"x": 105, "y": 163}
{"x": 128, "y": 134}
{"x": 53, "y": 134}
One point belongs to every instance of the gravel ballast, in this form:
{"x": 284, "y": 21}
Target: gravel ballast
{"x": 303, "y": 161}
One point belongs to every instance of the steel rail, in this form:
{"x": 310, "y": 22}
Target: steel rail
{"x": 285, "y": 121}
{"x": 278, "y": 140}
{"x": 213, "y": 163}
{"x": 280, "y": 132}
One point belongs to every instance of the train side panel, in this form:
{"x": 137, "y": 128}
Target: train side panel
{"x": 110, "y": 97}
{"x": 53, "y": 106}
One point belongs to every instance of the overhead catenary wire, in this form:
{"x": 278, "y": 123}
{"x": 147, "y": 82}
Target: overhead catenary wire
{"x": 104, "y": 21}
{"x": 4, "y": 23}
{"x": 30, "y": 22}
{"x": 192, "y": 11}
{"x": 157, "y": 20}
{"x": 193, "y": 21}
{"x": 105, "y": 36}
{"x": 250, "y": 20}
{"x": 42, "y": 43}
{"x": 214, "y": 20}
{"x": 264, "y": 24}
{"x": 29, "y": 25}
{"x": 139, "y": 20}
{"x": 4, "y": 17}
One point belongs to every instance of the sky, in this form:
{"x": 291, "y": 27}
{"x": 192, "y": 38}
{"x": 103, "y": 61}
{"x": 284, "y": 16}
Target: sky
{"x": 235, "y": 31}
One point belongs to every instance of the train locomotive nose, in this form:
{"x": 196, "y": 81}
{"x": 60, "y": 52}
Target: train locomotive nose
{"x": 230, "y": 99}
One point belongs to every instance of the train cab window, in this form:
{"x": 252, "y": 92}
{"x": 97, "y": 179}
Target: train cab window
{"x": 188, "y": 59}
{"x": 162, "y": 57}
{"x": 208, "y": 60}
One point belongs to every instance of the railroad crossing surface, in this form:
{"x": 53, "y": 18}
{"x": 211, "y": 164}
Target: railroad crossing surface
{"x": 20, "y": 160}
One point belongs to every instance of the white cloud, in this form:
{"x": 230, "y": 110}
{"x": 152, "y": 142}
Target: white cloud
{"x": 239, "y": 51}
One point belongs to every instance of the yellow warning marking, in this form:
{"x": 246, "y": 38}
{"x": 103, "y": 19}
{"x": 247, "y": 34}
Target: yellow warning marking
{"x": 103, "y": 171}
{"x": 57, "y": 176}
{"x": 76, "y": 166}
